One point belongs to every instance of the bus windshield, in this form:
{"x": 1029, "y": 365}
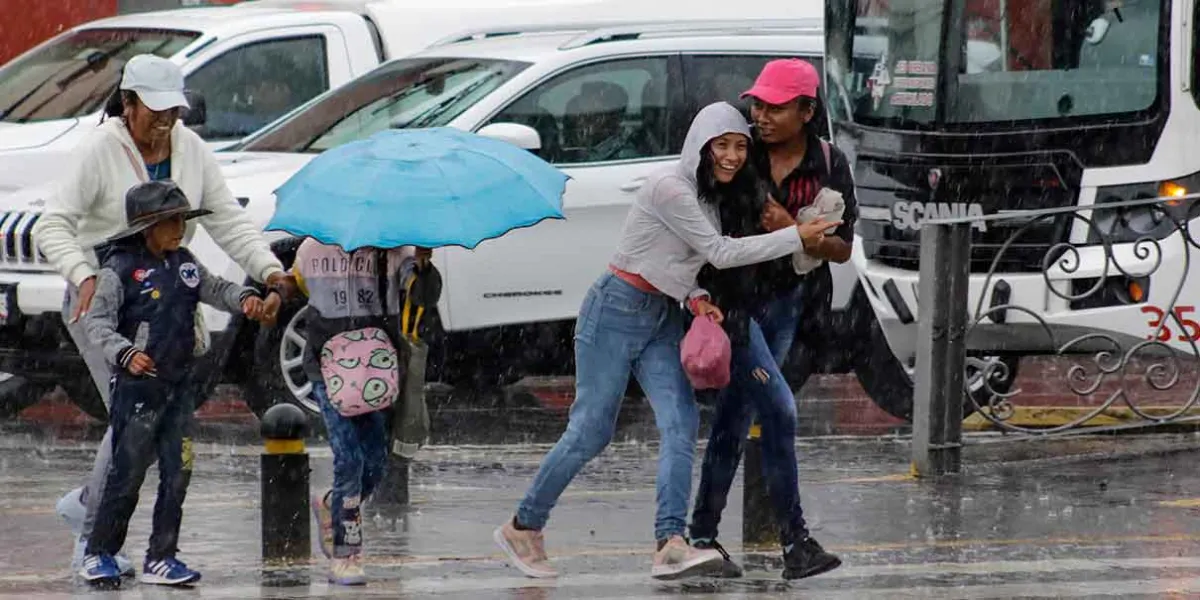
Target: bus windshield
{"x": 74, "y": 75}
{"x": 1015, "y": 60}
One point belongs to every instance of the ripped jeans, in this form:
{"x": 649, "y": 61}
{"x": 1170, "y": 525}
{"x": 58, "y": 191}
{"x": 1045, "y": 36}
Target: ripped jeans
{"x": 756, "y": 386}
{"x": 359, "y": 446}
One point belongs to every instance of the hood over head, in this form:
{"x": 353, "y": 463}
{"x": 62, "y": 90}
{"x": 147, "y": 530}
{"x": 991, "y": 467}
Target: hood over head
{"x": 713, "y": 121}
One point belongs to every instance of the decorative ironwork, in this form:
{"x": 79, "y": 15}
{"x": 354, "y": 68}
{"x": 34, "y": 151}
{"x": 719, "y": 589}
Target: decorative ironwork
{"x": 1100, "y": 354}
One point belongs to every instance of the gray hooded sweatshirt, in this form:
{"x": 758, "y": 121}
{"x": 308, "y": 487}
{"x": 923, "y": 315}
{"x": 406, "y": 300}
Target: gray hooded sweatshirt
{"x": 669, "y": 234}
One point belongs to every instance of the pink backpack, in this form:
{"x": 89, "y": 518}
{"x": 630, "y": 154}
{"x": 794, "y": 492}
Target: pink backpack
{"x": 706, "y": 354}
{"x": 361, "y": 370}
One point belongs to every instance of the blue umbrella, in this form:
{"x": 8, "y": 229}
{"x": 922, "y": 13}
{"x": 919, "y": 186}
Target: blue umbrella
{"x": 424, "y": 187}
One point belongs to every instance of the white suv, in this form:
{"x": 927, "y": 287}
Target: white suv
{"x": 608, "y": 106}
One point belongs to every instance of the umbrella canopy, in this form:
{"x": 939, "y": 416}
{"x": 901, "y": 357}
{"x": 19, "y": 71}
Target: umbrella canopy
{"x": 423, "y": 187}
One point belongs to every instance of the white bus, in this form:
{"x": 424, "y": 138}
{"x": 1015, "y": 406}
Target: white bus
{"x": 982, "y": 107}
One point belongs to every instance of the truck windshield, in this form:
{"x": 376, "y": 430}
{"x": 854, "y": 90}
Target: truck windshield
{"x": 75, "y": 74}
{"x": 1014, "y": 60}
{"x": 416, "y": 92}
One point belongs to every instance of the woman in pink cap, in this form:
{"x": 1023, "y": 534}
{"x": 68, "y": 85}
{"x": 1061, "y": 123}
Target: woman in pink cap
{"x": 794, "y": 165}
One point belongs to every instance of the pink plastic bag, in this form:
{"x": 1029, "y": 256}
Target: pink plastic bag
{"x": 706, "y": 354}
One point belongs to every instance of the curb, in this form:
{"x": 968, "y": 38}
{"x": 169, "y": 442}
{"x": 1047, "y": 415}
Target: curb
{"x": 1046, "y": 417}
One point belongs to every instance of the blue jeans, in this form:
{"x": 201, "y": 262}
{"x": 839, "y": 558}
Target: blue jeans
{"x": 779, "y": 318}
{"x": 757, "y": 385}
{"x": 359, "y": 446}
{"x": 622, "y": 330}
{"x": 150, "y": 418}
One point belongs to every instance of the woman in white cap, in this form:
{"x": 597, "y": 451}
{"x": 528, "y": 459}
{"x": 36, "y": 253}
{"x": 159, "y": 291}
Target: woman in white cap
{"x": 145, "y": 142}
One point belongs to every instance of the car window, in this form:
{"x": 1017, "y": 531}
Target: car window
{"x": 715, "y": 78}
{"x": 614, "y": 110}
{"x": 252, "y": 85}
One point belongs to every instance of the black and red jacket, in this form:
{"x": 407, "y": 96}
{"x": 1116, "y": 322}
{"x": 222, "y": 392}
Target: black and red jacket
{"x": 798, "y": 190}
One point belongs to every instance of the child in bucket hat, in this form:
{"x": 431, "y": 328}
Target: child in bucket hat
{"x": 143, "y": 316}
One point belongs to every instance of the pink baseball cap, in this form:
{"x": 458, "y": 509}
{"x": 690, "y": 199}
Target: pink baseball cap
{"x": 784, "y": 80}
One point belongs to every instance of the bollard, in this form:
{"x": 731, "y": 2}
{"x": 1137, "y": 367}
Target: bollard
{"x": 284, "y": 466}
{"x": 758, "y": 518}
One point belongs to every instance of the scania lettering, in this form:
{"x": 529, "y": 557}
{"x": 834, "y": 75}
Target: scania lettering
{"x": 1029, "y": 106}
{"x": 909, "y": 215}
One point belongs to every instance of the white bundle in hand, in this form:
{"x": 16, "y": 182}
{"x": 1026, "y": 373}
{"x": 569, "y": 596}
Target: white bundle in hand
{"x": 828, "y": 205}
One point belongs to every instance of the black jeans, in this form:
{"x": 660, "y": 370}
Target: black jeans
{"x": 149, "y": 418}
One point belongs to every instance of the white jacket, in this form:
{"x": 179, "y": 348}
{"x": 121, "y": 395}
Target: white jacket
{"x": 88, "y": 205}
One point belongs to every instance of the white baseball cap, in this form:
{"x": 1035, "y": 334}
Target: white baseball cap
{"x": 157, "y": 81}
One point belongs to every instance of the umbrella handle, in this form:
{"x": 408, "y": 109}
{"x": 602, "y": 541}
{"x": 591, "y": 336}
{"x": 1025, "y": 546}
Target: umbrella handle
{"x": 404, "y": 329}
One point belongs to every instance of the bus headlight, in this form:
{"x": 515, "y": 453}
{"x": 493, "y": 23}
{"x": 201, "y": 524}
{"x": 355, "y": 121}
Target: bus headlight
{"x": 1129, "y": 224}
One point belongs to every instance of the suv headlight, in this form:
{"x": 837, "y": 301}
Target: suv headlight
{"x": 1155, "y": 221}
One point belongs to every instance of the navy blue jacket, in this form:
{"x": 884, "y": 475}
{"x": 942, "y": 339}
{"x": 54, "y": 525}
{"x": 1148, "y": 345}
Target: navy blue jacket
{"x": 149, "y": 304}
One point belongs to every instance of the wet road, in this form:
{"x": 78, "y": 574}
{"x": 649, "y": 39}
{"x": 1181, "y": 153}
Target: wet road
{"x": 1089, "y": 529}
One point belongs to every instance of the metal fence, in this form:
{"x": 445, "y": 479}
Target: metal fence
{"x": 1108, "y": 302}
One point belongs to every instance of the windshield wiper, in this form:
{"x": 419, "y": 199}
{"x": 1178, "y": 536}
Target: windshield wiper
{"x": 90, "y": 63}
{"x": 423, "y": 119}
{"x": 23, "y": 99}
{"x": 418, "y": 86}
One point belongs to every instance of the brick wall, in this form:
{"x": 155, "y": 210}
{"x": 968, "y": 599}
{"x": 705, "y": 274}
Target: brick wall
{"x": 26, "y": 23}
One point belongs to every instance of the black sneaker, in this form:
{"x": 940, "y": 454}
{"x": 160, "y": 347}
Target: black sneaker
{"x": 728, "y": 568}
{"x": 807, "y": 558}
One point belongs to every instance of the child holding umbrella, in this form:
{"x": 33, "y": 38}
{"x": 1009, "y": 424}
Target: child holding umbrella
{"x": 355, "y": 369}
{"x": 398, "y": 189}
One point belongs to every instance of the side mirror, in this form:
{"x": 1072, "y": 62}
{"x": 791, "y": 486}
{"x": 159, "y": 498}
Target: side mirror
{"x": 197, "y": 115}
{"x": 521, "y": 136}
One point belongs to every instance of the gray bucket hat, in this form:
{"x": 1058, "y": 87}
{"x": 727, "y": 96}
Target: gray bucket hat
{"x": 150, "y": 202}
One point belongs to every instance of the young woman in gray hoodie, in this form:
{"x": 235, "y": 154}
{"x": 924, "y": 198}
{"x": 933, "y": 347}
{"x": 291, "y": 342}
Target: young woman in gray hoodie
{"x": 632, "y": 322}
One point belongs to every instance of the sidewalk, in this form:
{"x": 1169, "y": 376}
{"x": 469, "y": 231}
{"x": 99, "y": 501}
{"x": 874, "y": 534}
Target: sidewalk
{"x": 1046, "y": 529}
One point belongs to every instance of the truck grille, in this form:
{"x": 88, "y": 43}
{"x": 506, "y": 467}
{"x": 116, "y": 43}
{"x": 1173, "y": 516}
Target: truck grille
{"x": 885, "y": 244}
{"x": 996, "y": 186}
{"x": 17, "y": 250}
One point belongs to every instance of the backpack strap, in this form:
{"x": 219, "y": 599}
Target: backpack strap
{"x": 139, "y": 171}
{"x": 828, "y": 158}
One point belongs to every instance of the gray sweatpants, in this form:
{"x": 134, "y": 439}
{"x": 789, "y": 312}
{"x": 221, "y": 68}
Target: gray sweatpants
{"x": 101, "y": 373}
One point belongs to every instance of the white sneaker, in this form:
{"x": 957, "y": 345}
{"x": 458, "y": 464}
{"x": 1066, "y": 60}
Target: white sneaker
{"x": 677, "y": 559}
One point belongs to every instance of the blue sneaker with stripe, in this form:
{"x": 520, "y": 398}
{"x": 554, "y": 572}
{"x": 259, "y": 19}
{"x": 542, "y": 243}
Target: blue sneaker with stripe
{"x": 100, "y": 569}
{"x": 168, "y": 571}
